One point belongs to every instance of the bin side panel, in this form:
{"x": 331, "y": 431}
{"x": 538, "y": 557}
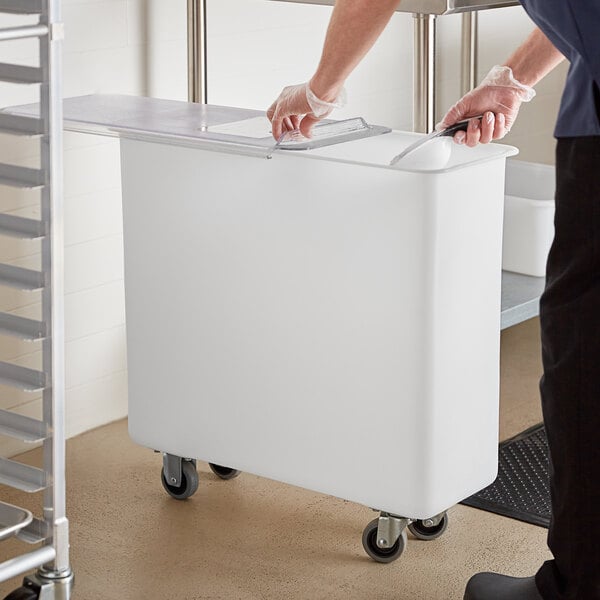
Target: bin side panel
{"x": 465, "y": 332}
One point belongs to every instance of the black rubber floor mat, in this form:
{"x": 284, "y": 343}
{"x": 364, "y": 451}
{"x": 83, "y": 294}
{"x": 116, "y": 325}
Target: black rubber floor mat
{"x": 521, "y": 490}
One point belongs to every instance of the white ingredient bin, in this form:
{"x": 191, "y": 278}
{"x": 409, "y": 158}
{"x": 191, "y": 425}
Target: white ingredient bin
{"x": 320, "y": 318}
{"x": 528, "y": 217}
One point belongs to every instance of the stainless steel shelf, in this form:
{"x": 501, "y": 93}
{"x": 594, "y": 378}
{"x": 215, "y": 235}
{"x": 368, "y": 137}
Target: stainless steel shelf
{"x": 430, "y": 7}
{"x": 520, "y": 298}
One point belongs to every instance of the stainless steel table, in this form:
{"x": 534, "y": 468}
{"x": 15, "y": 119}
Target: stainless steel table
{"x": 431, "y": 7}
{"x": 520, "y": 298}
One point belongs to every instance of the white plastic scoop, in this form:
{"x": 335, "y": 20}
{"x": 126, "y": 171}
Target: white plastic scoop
{"x": 448, "y": 132}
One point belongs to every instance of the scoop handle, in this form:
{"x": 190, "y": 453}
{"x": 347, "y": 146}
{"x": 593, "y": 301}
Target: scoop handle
{"x": 460, "y": 126}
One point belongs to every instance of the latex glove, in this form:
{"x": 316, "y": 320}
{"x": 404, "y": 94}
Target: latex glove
{"x": 298, "y": 108}
{"x": 498, "y": 98}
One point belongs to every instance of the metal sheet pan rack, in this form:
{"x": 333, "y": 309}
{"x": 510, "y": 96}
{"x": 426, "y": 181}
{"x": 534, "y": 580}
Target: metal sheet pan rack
{"x": 53, "y": 578}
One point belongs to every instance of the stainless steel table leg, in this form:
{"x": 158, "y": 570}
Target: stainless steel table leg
{"x": 197, "y": 57}
{"x": 469, "y": 56}
{"x": 424, "y": 73}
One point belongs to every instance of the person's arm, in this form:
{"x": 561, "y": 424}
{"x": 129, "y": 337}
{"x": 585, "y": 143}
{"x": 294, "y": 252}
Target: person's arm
{"x": 354, "y": 27}
{"x": 534, "y": 59}
{"x": 500, "y": 95}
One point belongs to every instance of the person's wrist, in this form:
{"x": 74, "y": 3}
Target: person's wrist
{"x": 503, "y": 76}
{"x": 521, "y": 75}
{"x": 322, "y": 106}
{"x": 326, "y": 91}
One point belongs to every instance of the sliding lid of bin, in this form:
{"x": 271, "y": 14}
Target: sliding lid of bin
{"x": 244, "y": 131}
{"x": 140, "y": 117}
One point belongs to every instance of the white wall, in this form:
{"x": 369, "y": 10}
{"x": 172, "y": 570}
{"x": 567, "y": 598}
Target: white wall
{"x": 139, "y": 47}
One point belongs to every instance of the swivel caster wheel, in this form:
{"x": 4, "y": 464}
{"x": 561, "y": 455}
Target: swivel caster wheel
{"x": 377, "y": 553}
{"x": 188, "y": 485}
{"x": 224, "y": 472}
{"x": 23, "y": 593}
{"x": 428, "y": 529}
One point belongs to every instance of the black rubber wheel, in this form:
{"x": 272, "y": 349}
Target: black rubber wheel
{"x": 223, "y": 472}
{"x": 422, "y": 532}
{"x": 22, "y": 593}
{"x": 382, "y": 555}
{"x": 189, "y": 482}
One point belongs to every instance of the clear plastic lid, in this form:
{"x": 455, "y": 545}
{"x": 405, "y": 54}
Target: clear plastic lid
{"x": 139, "y": 116}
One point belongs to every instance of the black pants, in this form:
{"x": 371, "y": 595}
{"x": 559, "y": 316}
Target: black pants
{"x": 570, "y": 386}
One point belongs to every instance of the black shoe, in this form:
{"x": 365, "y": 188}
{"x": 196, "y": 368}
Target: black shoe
{"x": 492, "y": 586}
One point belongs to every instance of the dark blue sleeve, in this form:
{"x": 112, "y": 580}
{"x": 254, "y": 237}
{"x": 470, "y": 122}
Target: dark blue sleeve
{"x": 586, "y": 19}
{"x": 573, "y": 26}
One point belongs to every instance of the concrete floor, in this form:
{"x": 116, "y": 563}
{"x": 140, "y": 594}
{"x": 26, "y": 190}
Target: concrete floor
{"x": 254, "y": 539}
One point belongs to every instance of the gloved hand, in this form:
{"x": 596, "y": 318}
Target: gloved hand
{"x": 498, "y": 98}
{"x": 299, "y": 108}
